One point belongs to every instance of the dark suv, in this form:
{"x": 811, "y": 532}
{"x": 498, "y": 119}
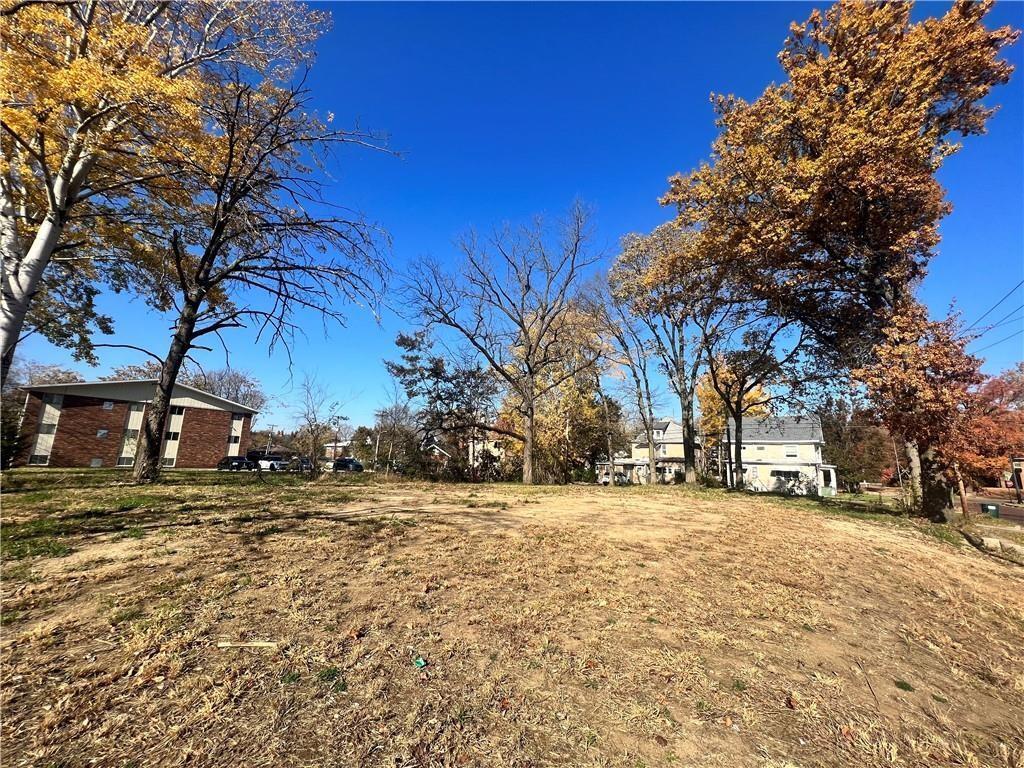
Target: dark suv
{"x": 348, "y": 464}
{"x": 235, "y": 464}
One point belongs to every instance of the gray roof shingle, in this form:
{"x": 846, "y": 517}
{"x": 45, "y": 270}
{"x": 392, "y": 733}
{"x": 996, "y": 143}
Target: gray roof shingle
{"x": 795, "y": 429}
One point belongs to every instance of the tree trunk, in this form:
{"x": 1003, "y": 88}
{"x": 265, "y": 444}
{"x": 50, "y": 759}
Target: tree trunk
{"x": 652, "y": 456}
{"x": 21, "y": 278}
{"x": 738, "y": 452}
{"x": 147, "y": 455}
{"x": 730, "y": 473}
{"x": 914, "y": 467}
{"x": 689, "y": 439}
{"x": 936, "y": 495}
{"x": 528, "y": 444}
{"x": 962, "y": 489}
{"x": 608, "y": 436}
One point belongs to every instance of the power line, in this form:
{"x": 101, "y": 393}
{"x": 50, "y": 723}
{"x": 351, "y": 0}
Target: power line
{"x": 1000, "y": 322}
{"x": 1006, "y": 338}
{"x": 987, "y": 313}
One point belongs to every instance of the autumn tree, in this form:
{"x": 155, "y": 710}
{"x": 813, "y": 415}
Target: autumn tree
{"x": 101, "y": 107}
{"x": 664, "y": 309}
{"x": 821, "y": 196}
{"x": 513, "y": 302}
{"x": 257, "y": 245}
{"x": 921, "y": 382}
{"x": 630, "y": 351}
{"x": 859, "y": 447}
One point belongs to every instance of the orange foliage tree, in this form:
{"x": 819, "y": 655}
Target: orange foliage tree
{"x": 821, "y": 195}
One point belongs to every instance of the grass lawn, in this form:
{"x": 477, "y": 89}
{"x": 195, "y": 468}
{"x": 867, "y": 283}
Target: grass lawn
{"x": 411, "y": 624}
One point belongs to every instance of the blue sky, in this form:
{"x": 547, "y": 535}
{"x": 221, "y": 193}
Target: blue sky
{"x": 500, "y": 111}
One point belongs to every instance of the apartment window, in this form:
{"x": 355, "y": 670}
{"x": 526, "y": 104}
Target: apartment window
{"x": 52, "y": 399}
{"x": 102, "y": 433}
{"x": 47, "y": 429}
{"x": 177, "y": 410}
{"x": 108, "y": 405}
{"x": 39, "y": 459}
{"x": 791, "y": 452}
{"x": 136, "y": 406}
{"x": 131, "y": 434}
{"x": 238, "y": 416}
{"x": 96, "y": 463}
{"x": 168, "y": 462}
{"x": 235, "y": 439}
{"x": 125, "y": 461}
{"x": 172, "y": 435}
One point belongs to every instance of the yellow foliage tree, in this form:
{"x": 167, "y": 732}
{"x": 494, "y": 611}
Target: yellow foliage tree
{"x": 100, "y": 108}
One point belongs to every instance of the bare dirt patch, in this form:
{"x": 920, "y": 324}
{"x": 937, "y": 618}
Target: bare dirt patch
{"x": 418, "y": 625}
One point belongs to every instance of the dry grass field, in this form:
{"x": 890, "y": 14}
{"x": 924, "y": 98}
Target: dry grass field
{"x": 409, "y": 624}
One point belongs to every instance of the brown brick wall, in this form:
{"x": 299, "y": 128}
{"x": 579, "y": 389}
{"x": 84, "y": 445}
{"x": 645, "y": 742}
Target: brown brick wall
{"x": 76, "y": 444}
{"x": 204, "y": 437}
{"x": 204, "y": 433}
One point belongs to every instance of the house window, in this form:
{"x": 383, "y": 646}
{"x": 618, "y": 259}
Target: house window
{"x": 663, "y": 450}
{"x": 786, "y": 474}
{"x": 125, "y": 461}
{"x": 102, "y": 433}
{"x": 177, "y": 410}
{"x": 168, "y": 462}
{"x": 96, "y": 463}
{"x": 235, "y": 439}
{"x": 172, "y": 435}
{"x": 47, "y": 429}
{"x": 791, "y": 452}
{"x": 108, "y": 405}
{"x": 39, "y": 459}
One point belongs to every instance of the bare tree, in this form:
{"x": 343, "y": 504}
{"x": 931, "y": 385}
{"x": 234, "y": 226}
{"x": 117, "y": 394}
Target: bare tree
{"x": 514, "y": 302}
{"x": 318, "y": 416}
{"x": 630, "y": 350}
{"x": 252, "y": 249}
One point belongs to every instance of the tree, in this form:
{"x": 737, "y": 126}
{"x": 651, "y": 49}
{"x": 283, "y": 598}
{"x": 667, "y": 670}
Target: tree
{"x": 854, "y": 442}
{"x": 513, "y": 302}
{"x": 454, "y": 396}
{"x": 230, "y": 383}
{"x": 665, "y": 312}
{"x": 630, "y": 350}
{"x": 921, "y": 383}
{"x": 251, "y": 247}
{"x": 318, "y": 416}
{"x": 821, "y": 195}
{"x": 100, "y": 110}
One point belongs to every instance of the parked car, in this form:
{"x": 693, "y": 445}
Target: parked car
{"x": 273, "y": 462}
{"x": 300, "y": 464}
{"x": 235, "y": 464}
{"x": 347, "y": 464}
{"x": 620, "y": 479}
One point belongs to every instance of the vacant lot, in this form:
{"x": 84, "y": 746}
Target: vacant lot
{"x": 418, "y": 625}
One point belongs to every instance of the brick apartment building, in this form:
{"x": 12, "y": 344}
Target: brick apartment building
{"x": 97, "y": 424}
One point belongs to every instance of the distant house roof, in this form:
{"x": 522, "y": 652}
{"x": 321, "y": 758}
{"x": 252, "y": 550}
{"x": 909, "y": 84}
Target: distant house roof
{"x": 782, "y": 429}
{"x": 141, "y": 391}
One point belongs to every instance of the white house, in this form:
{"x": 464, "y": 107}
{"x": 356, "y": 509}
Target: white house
{"x": 668, "y": 450}
{"x": 784, "y": 454}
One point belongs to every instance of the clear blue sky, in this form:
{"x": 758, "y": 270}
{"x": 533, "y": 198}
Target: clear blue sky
{"x": 501, "y": 111}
